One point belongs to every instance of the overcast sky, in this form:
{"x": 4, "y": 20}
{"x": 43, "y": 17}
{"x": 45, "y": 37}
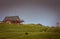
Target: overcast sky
{"x": 45, "y": 12}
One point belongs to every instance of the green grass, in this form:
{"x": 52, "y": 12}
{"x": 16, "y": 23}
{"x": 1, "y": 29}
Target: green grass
{"x": 16, "y": 31}
{"x": 43, "y": 35}
{"x": 22, "y": 28}
{"x": 31, "y": 35}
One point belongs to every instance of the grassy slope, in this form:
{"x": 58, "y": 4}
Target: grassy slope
{"x": 43, "y": 35}
{"x": 31, "y": 35}
{"x": 14, "y": 31}
{"x": 21, "y": 28}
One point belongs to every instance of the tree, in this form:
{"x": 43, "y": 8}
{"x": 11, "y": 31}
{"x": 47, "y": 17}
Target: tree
{"x": 40, "y": 24}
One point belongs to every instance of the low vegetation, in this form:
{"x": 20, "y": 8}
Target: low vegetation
{"x": 22, "y": 28}
{"x": 28, "y": 31}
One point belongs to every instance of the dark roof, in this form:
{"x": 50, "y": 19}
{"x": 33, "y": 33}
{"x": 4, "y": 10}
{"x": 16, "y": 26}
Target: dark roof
{"x": 11, "y": 18}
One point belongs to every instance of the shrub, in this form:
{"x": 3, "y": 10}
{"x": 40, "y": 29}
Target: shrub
{"x": 26, "y": 33}
{"x": 54, "y": 29}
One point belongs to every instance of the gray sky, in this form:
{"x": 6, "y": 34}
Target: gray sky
{"x": 45, "y": 12}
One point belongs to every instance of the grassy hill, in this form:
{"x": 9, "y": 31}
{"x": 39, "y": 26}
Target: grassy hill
{"x": 31, "y": 35}
{"x": 22, "y": 28}
{"x": 26, "y": 31}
